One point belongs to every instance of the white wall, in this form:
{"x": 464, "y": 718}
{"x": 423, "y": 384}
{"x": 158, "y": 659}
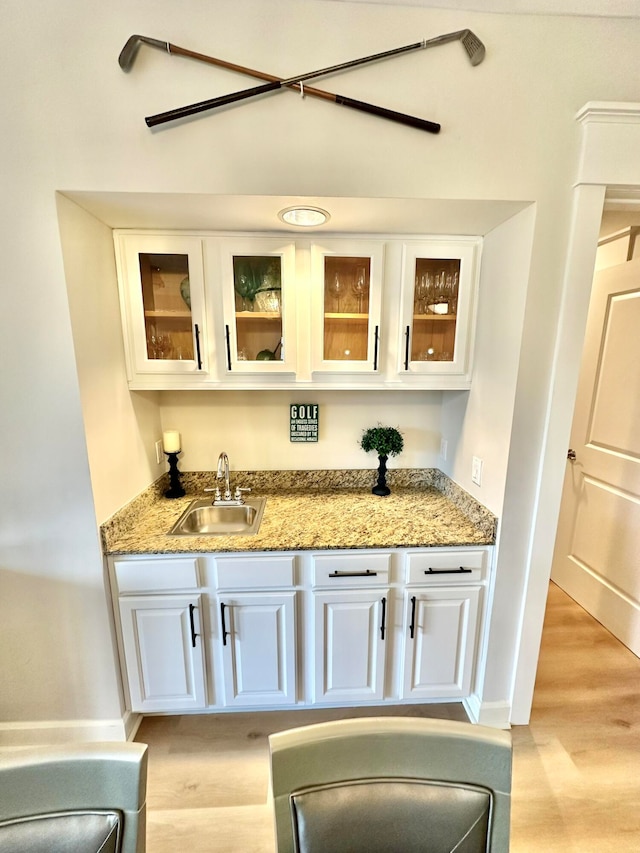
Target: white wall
{"x": 74, "y": 121}
{"x": 120, "y": 427}
{"x": 253, "y": 428}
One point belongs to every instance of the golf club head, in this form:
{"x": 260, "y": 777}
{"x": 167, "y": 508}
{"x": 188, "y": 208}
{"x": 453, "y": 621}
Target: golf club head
{"x": 474, "y": 47}
{"x": 129, "y": 51}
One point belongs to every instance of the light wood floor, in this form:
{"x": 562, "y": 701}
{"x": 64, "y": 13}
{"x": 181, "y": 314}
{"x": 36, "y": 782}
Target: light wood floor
{"x": 576, "y": 778}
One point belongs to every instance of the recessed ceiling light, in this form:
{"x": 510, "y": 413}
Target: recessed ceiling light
{"x": 304, "y": 217}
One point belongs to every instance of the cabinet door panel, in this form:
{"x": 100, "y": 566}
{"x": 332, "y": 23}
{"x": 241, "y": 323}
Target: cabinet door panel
{"x": 163, "y": 652}
{"x": 346, "y": 305}
{"x": 350, "y": 645}
{"x": 259, "y": 658}
{"x": 438, "y": 289}
{"x": 439, "y": 656}
{"x": 161, "y": 281}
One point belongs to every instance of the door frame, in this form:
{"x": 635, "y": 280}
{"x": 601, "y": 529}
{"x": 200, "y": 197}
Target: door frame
{"x": 607, "y": 163}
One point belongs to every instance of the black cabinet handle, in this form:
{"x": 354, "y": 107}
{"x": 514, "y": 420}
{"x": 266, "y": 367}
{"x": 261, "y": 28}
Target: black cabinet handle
{"x": 384, "y": 618}
{"x": 406, "y": 349}
{"x": 192, "y": 626}
{"x": 367, "y": 574}
{"x": 376, "y": 338}
{"x": 225, "y": 633}
{"x": 460, "y": 571}
{"x": 198, "y": 356}
{"x": 412, "y": 626}
{"x": 228, "y": 347}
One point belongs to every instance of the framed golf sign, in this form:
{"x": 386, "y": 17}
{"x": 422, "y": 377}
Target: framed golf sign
{"x": 303, "y": 422}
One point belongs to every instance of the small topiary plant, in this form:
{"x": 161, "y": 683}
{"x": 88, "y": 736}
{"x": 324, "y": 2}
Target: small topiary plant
{"x": 386, "y": 441}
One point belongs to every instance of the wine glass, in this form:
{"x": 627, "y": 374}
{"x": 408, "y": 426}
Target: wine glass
{"x": 359, "y": 285}
{"x": 336, "y": 288}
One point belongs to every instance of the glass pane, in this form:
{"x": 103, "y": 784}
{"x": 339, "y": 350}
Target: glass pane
{"x": 258, "y": 302}
{"x": 167, "y": 305}
{"x": 435, "y": 306}
{"x": 346, "y": 308}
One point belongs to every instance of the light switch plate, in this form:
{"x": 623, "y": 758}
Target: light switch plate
{"x": 443, "y": 448}
{"x": 476, "y": 470}
{"x": 158, "y": 452}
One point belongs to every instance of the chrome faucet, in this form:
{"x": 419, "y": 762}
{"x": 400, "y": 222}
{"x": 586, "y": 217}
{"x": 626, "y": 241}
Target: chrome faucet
{"x": 223, "y": 471}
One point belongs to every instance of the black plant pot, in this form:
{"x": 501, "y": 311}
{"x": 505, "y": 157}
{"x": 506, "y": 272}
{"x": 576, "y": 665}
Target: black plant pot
{"x": 381, "y": 487}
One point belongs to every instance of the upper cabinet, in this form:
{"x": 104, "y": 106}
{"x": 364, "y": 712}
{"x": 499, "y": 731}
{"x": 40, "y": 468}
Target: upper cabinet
{"x": 438, "y": 289}
{"x": 253, "y": 311}
{"x": 346, "y": 304}
{"x": 162, "y": 304}
{"x": 257, "y": 281}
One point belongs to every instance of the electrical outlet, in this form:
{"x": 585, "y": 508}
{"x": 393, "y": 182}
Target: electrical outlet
{"x": 443, "y": 448}
{"x": 476, "y": 470}
{"x": 159, "y": 453}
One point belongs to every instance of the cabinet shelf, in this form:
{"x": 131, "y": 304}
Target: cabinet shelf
{"x": 438, "y": 317}
{"x": 258, "y": 315}
{"x": 343, "y": 316}
{"x": 168, "y": 315}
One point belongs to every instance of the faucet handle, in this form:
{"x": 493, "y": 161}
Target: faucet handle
{"x": 238, "y": 493}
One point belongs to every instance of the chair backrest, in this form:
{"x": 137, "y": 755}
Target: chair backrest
{"x": 76, "y": 798}
{"x": 384, "y": 784}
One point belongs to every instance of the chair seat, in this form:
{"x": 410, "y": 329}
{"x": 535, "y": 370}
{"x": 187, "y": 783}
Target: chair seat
{"x": 391, "y": 815}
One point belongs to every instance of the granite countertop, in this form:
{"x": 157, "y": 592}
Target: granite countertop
{"x": 312, "y": 510}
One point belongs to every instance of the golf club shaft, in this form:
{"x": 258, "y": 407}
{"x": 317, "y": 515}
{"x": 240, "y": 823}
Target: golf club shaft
{"x": 278, "y": 83}
{"x": 341, "y": 100}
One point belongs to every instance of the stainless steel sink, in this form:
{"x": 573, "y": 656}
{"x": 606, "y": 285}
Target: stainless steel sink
{"x": 201, "y": 518}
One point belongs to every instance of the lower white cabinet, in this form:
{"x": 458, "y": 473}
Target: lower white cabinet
{"x": 258, "y": 638}
{"x": 282, "y": 629}
{"x": 440, "y": 641}
{"x": 349, "y": 645}
{"x": 162, "y": 643}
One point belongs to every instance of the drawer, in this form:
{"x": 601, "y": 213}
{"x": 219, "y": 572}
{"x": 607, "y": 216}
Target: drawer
{"x": 452, "y": 566}
{"x": 336, "y": 570}
{"x": 159, "y": 575}
{"x": 255, "y": 572}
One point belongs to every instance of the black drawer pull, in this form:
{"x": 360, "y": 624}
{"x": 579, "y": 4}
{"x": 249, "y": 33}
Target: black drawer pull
{"x": 376, "y": 340}
{"x": 192, "y": 626}
{"x": 198, "y": 354}
{"x": 228, "y": 347}
{"x": 460, "y": 571}
{"x": 384, "y": 618}
{"x": 412, "y": 626}
{"x": 367, "y": 574}
{"x": 225, "y": 633}
{"x": 406, "y": 351}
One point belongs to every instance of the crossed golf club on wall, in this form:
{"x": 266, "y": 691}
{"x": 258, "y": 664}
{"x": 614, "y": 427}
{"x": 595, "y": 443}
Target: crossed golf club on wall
{"x": 473, "y": 46}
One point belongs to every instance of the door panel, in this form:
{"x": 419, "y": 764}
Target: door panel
{"x": 596, "y": 557}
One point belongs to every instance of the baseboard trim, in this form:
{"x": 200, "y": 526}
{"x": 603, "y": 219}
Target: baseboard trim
{"x": 51, "y": 732}
{"x": 496, "y": 715}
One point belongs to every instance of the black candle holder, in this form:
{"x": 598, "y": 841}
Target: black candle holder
{"x": 175, "y": 490}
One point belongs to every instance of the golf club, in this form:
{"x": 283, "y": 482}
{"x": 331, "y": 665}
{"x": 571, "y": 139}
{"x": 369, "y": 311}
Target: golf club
{"x": 129, "y": 51}
{"x": 472, "y": 44}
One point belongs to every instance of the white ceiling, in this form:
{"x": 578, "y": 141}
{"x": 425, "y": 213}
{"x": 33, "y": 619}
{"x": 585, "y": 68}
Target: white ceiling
{"x": 600, "y": 8}
{"x": 182, "y": 211}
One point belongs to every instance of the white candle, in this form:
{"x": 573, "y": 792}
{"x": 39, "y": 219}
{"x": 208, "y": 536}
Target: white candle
{"x": 171, "y": 441}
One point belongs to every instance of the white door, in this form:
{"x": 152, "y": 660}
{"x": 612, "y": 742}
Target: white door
{"x": 258, "y": 648}
{"x": 350, "y": 641}
{"x": 163, "y": 652}
{"x": 440, "y": 641}
{"x": 597, "y": 552}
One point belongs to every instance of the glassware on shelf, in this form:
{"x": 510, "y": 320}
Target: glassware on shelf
{"x": 336, "y": 289}
{"x": 359, "y": 286}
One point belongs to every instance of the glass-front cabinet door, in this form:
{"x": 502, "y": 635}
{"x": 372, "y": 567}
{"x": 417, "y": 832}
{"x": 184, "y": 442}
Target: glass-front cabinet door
{"x": 437, "y": 304}
{"x": 162, "y": 295}
{"x": 259, "y": 310}
{"x": 346, "y": 304}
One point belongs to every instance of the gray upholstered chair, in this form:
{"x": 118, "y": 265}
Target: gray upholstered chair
{"x": 391, "y": 785}
{"x": 79, "y": 798}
